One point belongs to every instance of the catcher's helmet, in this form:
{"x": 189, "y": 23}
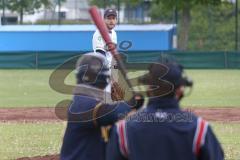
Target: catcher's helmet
{"x": 91, "y": 69}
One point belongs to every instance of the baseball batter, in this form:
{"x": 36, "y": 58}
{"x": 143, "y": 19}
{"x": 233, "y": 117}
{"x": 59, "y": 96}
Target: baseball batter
{"x": 100, "y": 47}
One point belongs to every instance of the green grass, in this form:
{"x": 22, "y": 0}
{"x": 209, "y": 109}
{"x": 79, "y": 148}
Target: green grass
{"x": 214, "y": 88}
{"x": 30, "y": 88}
{"x": 27, "y": 139}
{"x": 30, "y": 139}
{"x": 228, "y": 135}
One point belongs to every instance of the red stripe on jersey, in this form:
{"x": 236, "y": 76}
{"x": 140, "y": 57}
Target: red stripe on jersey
{"x": 200, "y": 134}
{"x": 122, "y": 138}
{"x": 199, "y": 137}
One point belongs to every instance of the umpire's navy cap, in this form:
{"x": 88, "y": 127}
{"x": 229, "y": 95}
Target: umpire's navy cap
{"x": 164, "y": 78}
{"x": 170, "y": 72}
{"x": 110, "y": 12}
{"x": 174, "y": 74}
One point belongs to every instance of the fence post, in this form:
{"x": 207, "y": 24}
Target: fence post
{"x": 3, "y": 18}
{"x": 226, "y": 59}
{"x": 236, "y": 26}
{"x": 59, "y": 12}
{"x": 36, "y": 60}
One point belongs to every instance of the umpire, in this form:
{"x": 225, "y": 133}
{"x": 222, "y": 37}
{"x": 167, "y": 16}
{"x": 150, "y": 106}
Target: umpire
{"x": 162, "y": 131}
{"x": 85, "y": 135}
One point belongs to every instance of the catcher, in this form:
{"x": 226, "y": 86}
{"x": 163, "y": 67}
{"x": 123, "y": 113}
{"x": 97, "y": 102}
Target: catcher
{"x": 86, "y": 135}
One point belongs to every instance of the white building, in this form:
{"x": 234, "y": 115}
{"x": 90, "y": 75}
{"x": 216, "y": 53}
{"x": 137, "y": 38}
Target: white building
{"x": 71, "y": 10}
{"x": 10, "y": 18}
{"x": 78, "y": 10}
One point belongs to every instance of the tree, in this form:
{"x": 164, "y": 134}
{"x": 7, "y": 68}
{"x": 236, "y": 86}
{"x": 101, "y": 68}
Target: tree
{"x": 2, "y": 4}
{"x": 130, "y": 6}
{"x": 184, "y": 8}
{"x": 3, "y": 8}
{"x": 213, "y": 28}
{"x": 159, "y": 13}
{"x": 104, "y": 3}
{"x": 26, "y": 6}
{"x": 109, "y": 3}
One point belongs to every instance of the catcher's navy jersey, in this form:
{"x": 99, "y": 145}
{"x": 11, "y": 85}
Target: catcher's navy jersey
{"x": 163, "y": 132}
{"x": 83, "y": 139}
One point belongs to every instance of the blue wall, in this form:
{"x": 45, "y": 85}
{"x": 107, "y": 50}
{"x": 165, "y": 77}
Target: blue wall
{"x": 45, "y": 41}
{"x": 79, "y": 38}
{"x": 146, "y": 40}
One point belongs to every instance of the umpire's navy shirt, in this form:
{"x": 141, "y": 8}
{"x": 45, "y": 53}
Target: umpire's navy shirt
{"x": 163, "y": 132}
{"x": 83, "y": 139}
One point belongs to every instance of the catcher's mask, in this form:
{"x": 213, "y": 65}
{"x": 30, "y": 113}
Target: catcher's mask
{"x": 91, "y": 69}
{"x": 164, "y": 78}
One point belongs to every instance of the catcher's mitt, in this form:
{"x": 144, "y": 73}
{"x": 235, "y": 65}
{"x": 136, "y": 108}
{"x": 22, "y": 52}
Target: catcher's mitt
{"x": 117, "y": 93}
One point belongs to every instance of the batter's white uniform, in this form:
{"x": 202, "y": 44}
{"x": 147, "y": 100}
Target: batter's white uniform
{"x": 98, "y": 43}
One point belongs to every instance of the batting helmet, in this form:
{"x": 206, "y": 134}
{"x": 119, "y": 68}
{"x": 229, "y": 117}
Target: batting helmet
{"x": 91, "y": 69}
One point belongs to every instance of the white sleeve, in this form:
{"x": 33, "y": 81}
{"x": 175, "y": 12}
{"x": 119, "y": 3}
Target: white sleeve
{"x": 114, "y": 37}
{"x": 98, "y": 42}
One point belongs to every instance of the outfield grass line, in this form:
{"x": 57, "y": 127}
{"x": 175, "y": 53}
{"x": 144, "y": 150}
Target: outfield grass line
{"x": 30, "y": 88}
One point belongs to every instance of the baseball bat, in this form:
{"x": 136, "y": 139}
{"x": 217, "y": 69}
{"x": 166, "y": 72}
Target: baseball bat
{"x": 98, "y": 20}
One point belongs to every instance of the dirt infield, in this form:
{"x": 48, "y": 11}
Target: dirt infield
{"x": 227, "y": 114}
{"x": 31, "y": 115}
{"x": 28, "y": 115}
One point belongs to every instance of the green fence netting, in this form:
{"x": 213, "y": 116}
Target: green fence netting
{"x": 194, "y": 60}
